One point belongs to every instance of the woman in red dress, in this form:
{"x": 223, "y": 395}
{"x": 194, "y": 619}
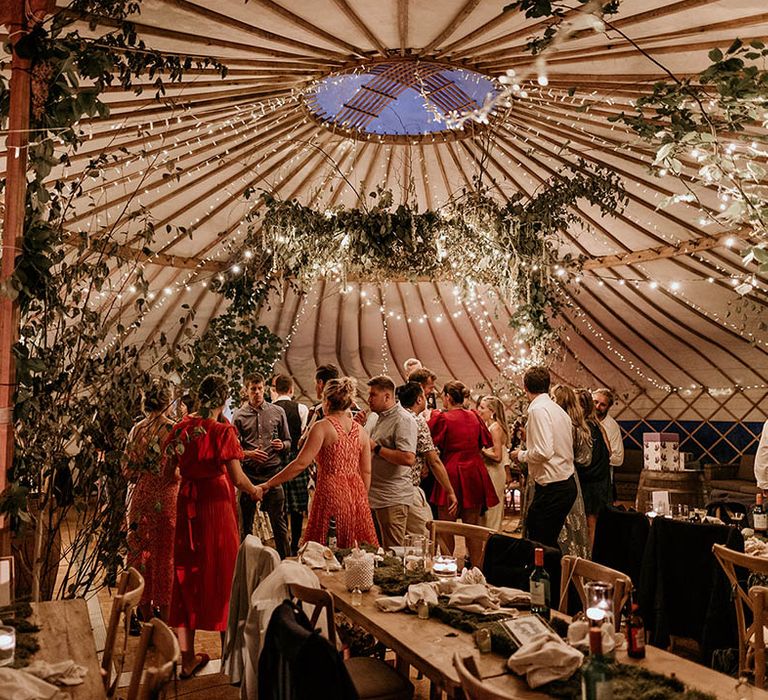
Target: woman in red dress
{"x": 459, "y": 434}
{"x": 343, "y": 454}
{"x": 207, "y": 453}
{"x": 152, "y": 511}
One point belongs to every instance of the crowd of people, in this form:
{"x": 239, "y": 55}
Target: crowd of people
{"x": 373, "y": 475}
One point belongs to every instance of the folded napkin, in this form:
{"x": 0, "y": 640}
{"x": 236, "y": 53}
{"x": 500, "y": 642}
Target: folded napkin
{"x": 473, "y": 598}
{"x": 63, "y": 673}
{"x": 316, "y": 556}
{"x": 578, "y": 636}
{"x": 416, "y": 592}
{"x": 17, "y": 685}
{"x": 473, "y": 575}
{"x": 511, "y": 596}
{"x": 545, "y": 658}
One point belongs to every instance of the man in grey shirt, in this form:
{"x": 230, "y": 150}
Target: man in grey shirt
{"x": 393, "y": 448}
{"x": 264, "y": 436}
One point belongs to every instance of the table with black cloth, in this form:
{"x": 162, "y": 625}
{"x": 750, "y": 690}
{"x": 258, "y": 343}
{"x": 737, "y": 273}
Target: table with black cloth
{"x": 620, "y": 539}
{"x": 683, "y": 591}
{"x": 508, "y": 561}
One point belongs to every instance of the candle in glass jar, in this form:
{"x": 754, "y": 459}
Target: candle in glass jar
{"x": 444, "y": 566}
{"x": 7, "y": 645}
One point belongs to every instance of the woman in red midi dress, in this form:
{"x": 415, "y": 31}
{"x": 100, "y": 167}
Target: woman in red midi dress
{"x": 152, "y": 510}
{"x": 459, "y": 434}
{"x": 207, "y": 453}
{"x": 343, "y": 455}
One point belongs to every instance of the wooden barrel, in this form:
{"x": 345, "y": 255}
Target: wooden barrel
{"x": 685, "y": 487}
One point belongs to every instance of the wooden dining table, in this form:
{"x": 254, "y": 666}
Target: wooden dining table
{"x": 66, "y": 633}
{"x": 430, "y": 645}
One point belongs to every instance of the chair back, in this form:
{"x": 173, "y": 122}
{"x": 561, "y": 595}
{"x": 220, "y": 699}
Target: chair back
{"x": 577, "y": 571}
{"x": 725, "y": 510}
{"x": 470, "y": 533}
{"x": 729, "y": 560}
{"x": 471, "y": 684}
{"x": 166, "y": 660}
{"x": 758, "y": 595}
{"x": 322, "y": 601}
{"x": 130, "y": 588}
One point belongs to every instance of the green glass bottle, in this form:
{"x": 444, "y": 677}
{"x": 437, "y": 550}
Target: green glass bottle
{"x": 539, "y": 586}
{"x": 595, "y": 681}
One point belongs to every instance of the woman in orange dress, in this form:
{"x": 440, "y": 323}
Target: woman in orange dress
{"x": 460, "y": 435}
{"x": 208, "y": 453}
{"x": 343, "y": 454}
{"x": 152, "y": 510}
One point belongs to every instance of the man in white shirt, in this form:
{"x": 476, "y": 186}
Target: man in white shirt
{"x": 549, "y": 455}
{"x": 761, "y": 460}
{"x": 604, "y": 399}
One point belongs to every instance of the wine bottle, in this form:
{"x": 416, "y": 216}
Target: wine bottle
{"x": 635, "y": 633}
{"x": 759, "y": 516}
{"x": 595, "y": 681}
{"x": 332, "y": 532}
{"x": 539, "y": 586}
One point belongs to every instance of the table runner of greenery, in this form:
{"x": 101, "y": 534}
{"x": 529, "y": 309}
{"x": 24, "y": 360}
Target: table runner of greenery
{"x": 17, "y": 616}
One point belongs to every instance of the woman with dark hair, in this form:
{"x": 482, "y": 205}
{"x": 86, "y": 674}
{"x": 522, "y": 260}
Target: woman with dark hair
{"x": 206, "y": 450}
{"x": 343, "y": 454}
{"x": 460, "y": 435}
{"x": 152, "y": 510}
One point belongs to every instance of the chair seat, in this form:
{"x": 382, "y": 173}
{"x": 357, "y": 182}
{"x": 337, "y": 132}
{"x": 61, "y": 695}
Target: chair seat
{"x": 376, "y": 680}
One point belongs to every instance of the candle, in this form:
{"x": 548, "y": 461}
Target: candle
{"x": 7, "y": 645}
{"x": 444, "y": 566}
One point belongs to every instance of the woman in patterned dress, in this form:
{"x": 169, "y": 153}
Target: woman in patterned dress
{"x": 343, "y": 455}
{"x": 152, "y": 511}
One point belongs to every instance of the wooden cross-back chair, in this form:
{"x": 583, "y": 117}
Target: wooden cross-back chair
{"x": 441, "y": 530}
{"x": 471, "y": 683}
{"x": 729, "y": 560}
{"x": 373, "y": 678}
{"x": 576, "y": 571}
{"x": 130, "y": 588}
{"x": 167, "y": 659}
{"x": 758, "y": 595}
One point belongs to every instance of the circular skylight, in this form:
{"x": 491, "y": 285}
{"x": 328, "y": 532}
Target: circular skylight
{"x": 399, "y": 98}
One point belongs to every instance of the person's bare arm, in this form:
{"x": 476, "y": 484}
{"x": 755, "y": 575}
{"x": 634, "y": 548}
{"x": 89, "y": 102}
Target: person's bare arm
{"x": 495, "y": 452}
{"x": 242, "y": 482}
{"x": 306, "y": 456}
{"x": 365, "y": 461}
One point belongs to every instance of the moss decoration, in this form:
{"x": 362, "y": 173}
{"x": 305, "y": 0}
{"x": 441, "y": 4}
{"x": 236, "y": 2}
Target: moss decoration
{"x": 17, "y": 616}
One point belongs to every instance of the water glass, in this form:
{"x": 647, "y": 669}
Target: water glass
{"x": 414, "y": 552}
{"x": 7, "y": 645}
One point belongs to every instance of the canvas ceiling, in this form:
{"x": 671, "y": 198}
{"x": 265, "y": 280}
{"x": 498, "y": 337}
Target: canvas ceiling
{"x": 644, "y": 315}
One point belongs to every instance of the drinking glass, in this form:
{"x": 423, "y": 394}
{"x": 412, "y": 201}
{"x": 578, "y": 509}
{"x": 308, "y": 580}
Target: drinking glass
{"x": 7, "y": 645}
{"x": 414, "y": 552}
{"x": 599, "y": 601}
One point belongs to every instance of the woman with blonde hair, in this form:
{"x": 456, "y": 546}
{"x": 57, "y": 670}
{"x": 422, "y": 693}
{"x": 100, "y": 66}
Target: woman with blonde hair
{"x": 342, "y": 451}
{"x": 496, "y": 457}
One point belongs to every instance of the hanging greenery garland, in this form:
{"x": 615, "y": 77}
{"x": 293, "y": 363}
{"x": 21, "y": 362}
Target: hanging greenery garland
{"x": 473, "y": 240}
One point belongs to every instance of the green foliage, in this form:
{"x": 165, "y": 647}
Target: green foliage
{"x": 474, "y": 240}
{"x": 717, "y": 118}
{"x": 79, "y": 375}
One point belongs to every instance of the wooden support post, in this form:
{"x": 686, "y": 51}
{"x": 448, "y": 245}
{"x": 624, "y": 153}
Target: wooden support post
{"x": 20, "y": 16}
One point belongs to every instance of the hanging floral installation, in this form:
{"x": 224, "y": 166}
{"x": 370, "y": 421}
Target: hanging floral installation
{"x": 473, "y": 240}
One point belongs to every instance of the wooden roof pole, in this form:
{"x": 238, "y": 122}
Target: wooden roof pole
{"x": 20, "y": 16}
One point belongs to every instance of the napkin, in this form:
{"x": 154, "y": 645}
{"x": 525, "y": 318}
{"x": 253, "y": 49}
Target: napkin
{"x": 511, "y": 596}
{"x": 473, "y": 575}
{"x": 391, "y": 603}
{"x": 473, "y": 598}
{"x": 17, "y": 685}
{"x": 316, "y": 556}
{"x": 545, "y": 658}
{"x": 63, "y": 673}
{"x": 421, "y": 591}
